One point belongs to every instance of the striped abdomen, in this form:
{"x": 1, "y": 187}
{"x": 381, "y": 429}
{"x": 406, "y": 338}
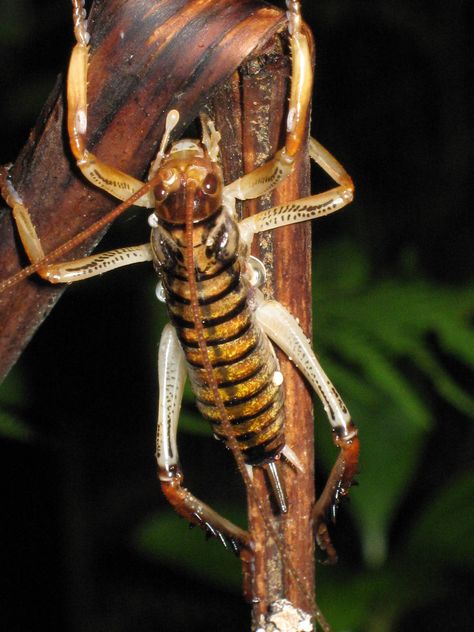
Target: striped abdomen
{"x": 242, "y": 357}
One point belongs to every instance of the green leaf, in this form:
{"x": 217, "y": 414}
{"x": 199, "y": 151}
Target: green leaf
{"x": 167, "y": 537}
{"x": 191, "y": 421}
{"x": 12, "y": 390}
{"x": 356, "y": 591}
{"x": 445, "y": 385}
{"x": 366, "y": 330}
{"x": 12, "y": 396}
{"x": 13, "y": 427}
{"x": 340, "y": 268}
{"x": 443, "y": 531}
{"x": 374, "y": 600}
{"x": 457, "y": 339}
{"x": 383, "y": 375}
{"x": 390, "y": 452}
{"x": 367, "y": 601}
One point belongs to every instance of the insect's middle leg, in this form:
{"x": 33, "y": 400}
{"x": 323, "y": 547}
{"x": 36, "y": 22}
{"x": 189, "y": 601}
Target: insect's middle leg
{"x": 112, "y": 180}
{"x": 172, "y": 376}
{"x": 308, "y": 208}
{"x": 65, "y": 271}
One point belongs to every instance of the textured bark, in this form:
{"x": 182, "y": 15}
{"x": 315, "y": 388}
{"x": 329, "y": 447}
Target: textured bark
{"x": 161, "y": 63}
{"x": 250, "y": 112}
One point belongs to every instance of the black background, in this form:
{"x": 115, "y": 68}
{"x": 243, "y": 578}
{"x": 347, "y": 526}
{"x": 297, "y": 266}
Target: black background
{"x": 391, "y": 102}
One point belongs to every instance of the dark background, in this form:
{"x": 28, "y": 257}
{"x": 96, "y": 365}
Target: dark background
{"x": 80, "y": 506}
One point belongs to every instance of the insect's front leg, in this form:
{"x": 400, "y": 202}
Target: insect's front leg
{"x": 172, "y": 377}
{"x": 114, "y": 181}
{"x": 283, "y": 330}
{"x": 266, "y": 177}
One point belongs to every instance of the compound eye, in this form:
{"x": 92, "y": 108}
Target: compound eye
{"x": 210, "y": 184}
{"x": 160, "y": 192}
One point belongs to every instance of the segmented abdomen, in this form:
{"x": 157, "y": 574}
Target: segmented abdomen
{"x": 241, "y": 355}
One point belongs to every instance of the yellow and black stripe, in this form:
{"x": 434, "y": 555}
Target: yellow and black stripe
{"x": 242, "y": 358}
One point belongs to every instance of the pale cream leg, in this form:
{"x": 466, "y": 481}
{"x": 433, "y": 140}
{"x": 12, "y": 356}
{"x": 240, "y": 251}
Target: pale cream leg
{"x": 67, "y": 271}
{"x": 79, "y": 269}
{"x": 172, "y": 376}
{"x": 112, "y": 180}
{"x": 331, "y": 165}
{"x": 283, "y": 329}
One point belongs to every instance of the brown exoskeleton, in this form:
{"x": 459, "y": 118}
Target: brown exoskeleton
{"x": 221, "y": 327}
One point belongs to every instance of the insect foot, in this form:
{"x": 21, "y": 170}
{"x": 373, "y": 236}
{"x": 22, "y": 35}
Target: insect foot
{"x": 337, "y": 487}
{"x": 198, "y": 513}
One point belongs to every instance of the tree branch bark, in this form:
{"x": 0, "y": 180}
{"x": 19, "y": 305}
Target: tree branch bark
{"x": 250, "y": 112}
{"x": 145, "y": 60}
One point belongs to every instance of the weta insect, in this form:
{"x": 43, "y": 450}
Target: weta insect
{"x": 221, "y": 326}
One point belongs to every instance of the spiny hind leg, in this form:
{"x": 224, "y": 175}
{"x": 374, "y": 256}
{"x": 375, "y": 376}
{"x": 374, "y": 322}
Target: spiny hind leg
{"x": 172, "y": 377}
{"x": 266, "y": 177}
{"x": 337, "y": 486}
{"x": 112, "y": 180}
{"x": 284, "y": 331}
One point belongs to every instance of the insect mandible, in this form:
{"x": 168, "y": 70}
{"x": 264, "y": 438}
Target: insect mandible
{"x": 220, "y": 324}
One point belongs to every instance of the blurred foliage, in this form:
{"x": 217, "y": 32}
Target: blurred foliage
{"x": 388, "y": 327}
{"x": 393, "y": 326}
{"x": 385, "y": 352}
{"x": 395, "y": 336}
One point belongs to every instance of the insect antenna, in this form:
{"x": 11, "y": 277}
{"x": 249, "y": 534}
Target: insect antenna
{"x": 231, "y": 440}
{"x": 172, "y": 119}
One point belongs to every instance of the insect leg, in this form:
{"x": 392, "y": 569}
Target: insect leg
{"x": 282, "y": 328}
{"x": 87, "y": 267}
{"x": 65, "y": 271}
{"x": 331, "y": 165}
{"x": 307, "y": 208}
{"x": 172, "y": 376}
{"x": 112, "y": 180}
{"x": 266, "y": 177}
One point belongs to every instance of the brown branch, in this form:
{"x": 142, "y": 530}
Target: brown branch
{"x": 133, "y": 82}
{"x": 250, "y": 112}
